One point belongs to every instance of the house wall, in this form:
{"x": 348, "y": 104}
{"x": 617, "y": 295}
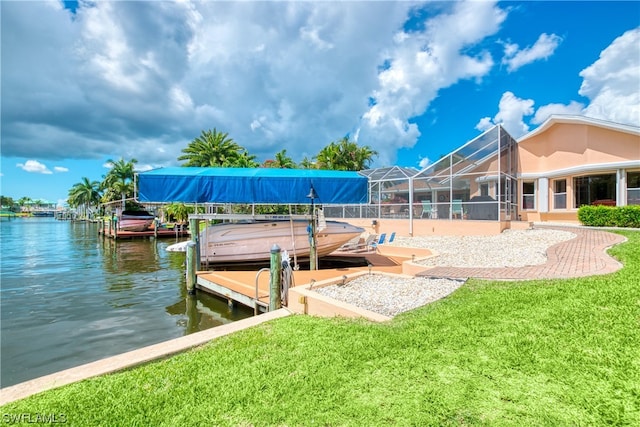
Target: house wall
{"x": 566, "y": 145}
{"x": 569, "y": 150}
{"x": 436, "y": 227}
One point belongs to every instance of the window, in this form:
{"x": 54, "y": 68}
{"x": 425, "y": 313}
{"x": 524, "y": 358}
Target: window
{"x": 528, "y": 195}
{"x": 484, "y": 189}
{"x": 560, "y": 194}
{"x": 595, "y": 190}
{"x": 633, "y": 188}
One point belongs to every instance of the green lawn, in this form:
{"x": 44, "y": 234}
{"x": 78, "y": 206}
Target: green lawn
{"x": 545, "y": 352}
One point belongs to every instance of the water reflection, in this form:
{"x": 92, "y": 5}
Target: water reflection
{"x": 203, "y": 311}
{"x": 70, "y": 296}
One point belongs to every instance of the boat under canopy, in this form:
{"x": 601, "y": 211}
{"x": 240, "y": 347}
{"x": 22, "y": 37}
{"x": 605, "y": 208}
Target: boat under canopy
{"x": 248, "y": 242}
{"x": 135, "y": 220}
{"x": 250, "y": 185}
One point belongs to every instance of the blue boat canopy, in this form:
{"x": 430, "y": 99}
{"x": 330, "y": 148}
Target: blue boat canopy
{"x": 250, "y": 185}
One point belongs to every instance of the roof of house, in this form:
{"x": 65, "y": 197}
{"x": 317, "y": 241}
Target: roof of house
{"x": 580, "y": 120}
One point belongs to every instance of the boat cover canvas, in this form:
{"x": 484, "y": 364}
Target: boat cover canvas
{"x": 250, "y": 185}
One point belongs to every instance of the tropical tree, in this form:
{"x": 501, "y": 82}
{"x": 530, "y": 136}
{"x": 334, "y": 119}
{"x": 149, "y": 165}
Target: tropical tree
{"x": 24, "y": 201}
{"x": 345, "y": 155}
{"x": 6, "y": 201}
{"x": 178, "y": 211}
{"x": 282, "y": 161}
{"x": 307, "y": 163}
{"x": 212, "y": 149}
{"x": 246, "y": 160}
{"x": 84, "y": 194}
{"x": 119, "y": 180}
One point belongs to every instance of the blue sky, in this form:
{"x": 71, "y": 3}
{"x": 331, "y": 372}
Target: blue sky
{"x": 91, "y": 81}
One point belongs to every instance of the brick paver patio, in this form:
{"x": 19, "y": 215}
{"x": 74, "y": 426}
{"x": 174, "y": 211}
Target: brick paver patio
{"x": 584, "y": 255}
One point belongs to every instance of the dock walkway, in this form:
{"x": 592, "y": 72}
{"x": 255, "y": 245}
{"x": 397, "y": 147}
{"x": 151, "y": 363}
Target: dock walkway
{"x": 240, "y": 286}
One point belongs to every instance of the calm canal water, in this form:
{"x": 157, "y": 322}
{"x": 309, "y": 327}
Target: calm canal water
{"x": 68, "y": 297}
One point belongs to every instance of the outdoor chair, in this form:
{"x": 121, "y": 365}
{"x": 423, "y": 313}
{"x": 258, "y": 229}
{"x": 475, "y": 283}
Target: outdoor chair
{"x": 352, "y": 244}
{"x": 361, "y": 245}
{"x": 426, "y": 209}
{"x": 456, "y": 208}
{"x": 380, "y": 241}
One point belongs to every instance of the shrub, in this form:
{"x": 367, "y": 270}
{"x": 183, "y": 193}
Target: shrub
{"x": 609, "y": 216}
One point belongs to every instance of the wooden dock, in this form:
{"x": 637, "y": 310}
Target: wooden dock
{"x": 106, "y": 229}
{"x": 240, "y": 286}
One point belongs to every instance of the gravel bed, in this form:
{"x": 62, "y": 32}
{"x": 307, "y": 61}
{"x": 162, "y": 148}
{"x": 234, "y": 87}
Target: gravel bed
{"x": 511, "y": 248}
{"x": 388, "y": 295}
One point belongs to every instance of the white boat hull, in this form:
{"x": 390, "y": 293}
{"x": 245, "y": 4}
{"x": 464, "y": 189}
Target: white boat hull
{"x": 135, "y": 222}
{"x": 251, "y": 242}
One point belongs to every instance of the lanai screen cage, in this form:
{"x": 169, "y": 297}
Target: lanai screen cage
{"x": 477, "y": 181}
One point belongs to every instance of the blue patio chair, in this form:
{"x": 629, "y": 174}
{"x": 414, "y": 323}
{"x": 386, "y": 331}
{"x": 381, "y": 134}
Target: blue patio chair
{"x": 380, "y": 241}
{"x": 392, "y": 237}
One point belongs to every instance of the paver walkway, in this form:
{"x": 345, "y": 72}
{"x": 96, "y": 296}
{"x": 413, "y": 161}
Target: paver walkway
{"x": 581, "y": 256}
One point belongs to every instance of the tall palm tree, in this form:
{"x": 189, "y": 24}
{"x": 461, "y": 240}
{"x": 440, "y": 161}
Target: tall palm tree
{"x": 211, "y": 149}
{"x": 119, "y": 179}
{"x": 84, "y": 194}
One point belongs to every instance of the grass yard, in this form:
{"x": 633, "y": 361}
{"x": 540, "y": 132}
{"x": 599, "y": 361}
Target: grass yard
{"x": 543, "y": 352}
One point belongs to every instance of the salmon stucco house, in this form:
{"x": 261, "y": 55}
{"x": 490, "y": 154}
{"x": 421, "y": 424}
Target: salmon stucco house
{"x": 570, "y": 161}
{"x": 495, "y": 181}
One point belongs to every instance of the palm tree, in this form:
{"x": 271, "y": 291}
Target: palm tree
{"x": 345, "y": 155}
{"x": 246, "y": 160}
{"x": 85, "y": 194}
{"x": 211, "y": 149}
{"x": 307, "y": 163}
{"x": 119, "y": 179}
{"x": 283, "y": 161}
{"x": 178, "y": 211}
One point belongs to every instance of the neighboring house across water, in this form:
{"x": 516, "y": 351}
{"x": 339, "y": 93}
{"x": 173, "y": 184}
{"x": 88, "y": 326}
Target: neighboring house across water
{"x": 570, "y": 161}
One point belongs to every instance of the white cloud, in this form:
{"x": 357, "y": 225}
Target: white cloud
{"x": 511, "y": 113}
{"x": 573, "y": 108}
{"x": 424, "y": 162}
{"x": 543, "y": 48}
{"x": 34, "y": 166}
{"x": 60, "y": 169}
{"x": 142, "y": 79}
{"x": 612, "y": 83}
{"x": 485, "y": 123}
{"x": 419, "y": 65}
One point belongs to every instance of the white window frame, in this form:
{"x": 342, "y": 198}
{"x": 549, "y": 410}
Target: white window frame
{"x": 556, "y": 194}
{"x": 635, "y": 189}
{"x": 531, "y": 195}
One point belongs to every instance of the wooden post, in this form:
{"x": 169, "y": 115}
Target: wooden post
{"x": 194, "y": 228}
{"x": 312, "y": 244}
{"x": 155, "y": 228}
{"x": 275, "y": 279}
{"x": 191, "y": 268}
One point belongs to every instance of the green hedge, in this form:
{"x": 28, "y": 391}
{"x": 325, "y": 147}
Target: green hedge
{"x": 609, "y": 216}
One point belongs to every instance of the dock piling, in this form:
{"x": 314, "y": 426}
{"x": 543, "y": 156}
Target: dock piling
{"x": 275, "y": 281}
{"x": 191, "y": 267}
